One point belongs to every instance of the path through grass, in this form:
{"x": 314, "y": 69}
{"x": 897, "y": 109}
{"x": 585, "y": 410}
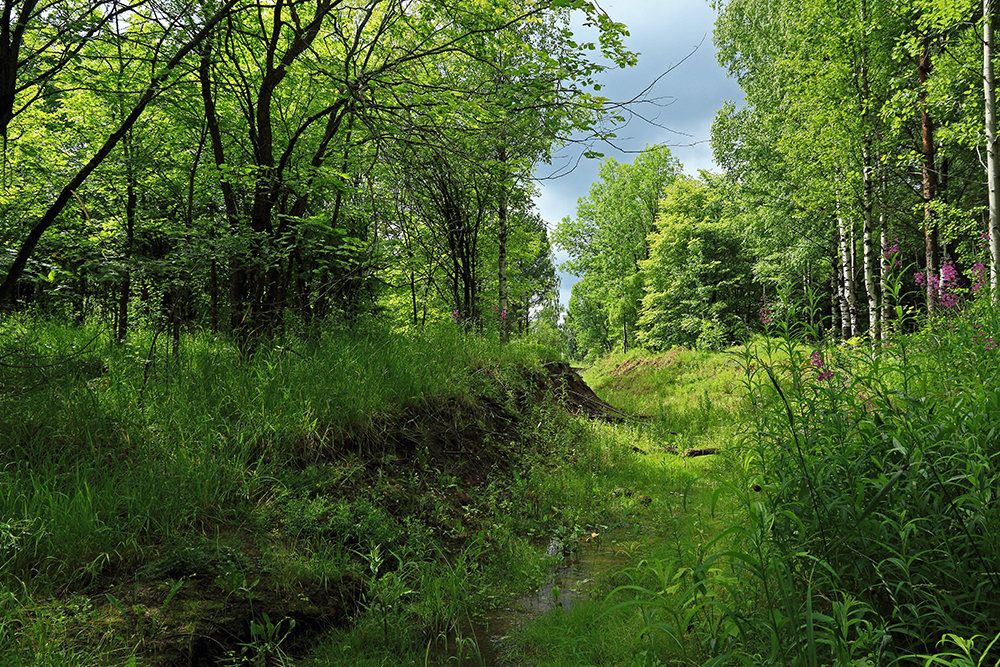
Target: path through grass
{"x": 657, "y": 508}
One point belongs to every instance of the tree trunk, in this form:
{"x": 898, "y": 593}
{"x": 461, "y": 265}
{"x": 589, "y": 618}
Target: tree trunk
{"x": 850, "y": 319}
{"x": 870, "y": 285}
{"x": 413, "y": 288}
{"x": 868, "y": 186}
{"x": 502, "y": 257}
{"x": 836, "y": 300}
{"x": 992, "y": 158}
{"x": 213, "y": 285}
{"x": 228, "y": 194}
{"x": 929, "y": 179}
{"x": 131, "y": 203}
{"x": 885, "y": 266}
{"x": 175, "y": 320}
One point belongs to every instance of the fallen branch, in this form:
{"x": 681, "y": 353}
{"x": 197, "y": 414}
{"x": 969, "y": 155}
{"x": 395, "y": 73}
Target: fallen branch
{"x": 694, "y": 451}
{"x": 700, "y": 451}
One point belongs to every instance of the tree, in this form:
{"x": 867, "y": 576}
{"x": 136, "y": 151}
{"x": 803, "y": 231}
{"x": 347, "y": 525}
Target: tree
{"x": 843, "y": 109}
{"x": 608, "y": 238}
{"x": 992, "y": 156}
{"x": 284, "y": 138}
{"x": 159, "y": 80}
{"x": 698, "y": 286}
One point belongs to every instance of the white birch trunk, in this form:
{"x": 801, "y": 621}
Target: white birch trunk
{"x": 886, "y": 268}
{"x": 850, "y": 317}
{"x": 870, "y": 287}
{"x": 992, "y": 159}
{"x": 868, "y": 188}
{"x": 836, "y": 310}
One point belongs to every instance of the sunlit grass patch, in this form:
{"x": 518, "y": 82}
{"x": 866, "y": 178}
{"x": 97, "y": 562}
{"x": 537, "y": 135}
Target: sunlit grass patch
{"x": 661, "y": 509}
{"x": 686, "y": 393}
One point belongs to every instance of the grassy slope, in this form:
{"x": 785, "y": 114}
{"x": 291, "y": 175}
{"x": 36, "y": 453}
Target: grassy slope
{"x": 159, "y": 509}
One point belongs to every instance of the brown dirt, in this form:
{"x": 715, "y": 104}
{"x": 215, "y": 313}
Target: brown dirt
{"x": 202, "y": 623}
{"x": 567, "y": 386}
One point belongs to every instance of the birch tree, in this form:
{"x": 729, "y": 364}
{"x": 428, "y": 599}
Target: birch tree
{"x": 992, "y": 157}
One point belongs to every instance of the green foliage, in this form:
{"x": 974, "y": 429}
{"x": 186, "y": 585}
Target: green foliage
{"x": 268, "y": 183}
{"x": 871, "y": 478}
{"x": 607, "y": 242}
{"x": 855, "y": 521}
{"x": 264, "y": 479}
{"x": 698, "y": 284}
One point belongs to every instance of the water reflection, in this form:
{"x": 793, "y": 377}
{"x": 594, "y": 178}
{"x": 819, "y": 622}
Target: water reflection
{"x": 569, "y": 581}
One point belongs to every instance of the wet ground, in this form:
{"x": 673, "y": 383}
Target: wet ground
{"x": 571, "y": 579}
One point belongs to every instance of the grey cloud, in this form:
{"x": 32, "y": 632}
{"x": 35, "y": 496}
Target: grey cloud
{"x": 665, "y": 33}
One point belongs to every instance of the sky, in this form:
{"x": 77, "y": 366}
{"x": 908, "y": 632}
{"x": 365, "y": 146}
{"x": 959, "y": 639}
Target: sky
{"x": 673, "y": 35}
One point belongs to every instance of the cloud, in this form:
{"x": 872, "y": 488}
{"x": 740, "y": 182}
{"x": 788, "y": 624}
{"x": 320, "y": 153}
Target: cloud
{"x": 668, "y": 34}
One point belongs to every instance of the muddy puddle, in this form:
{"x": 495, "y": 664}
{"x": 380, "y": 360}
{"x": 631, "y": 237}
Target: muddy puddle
{"x": 571, "y": 580}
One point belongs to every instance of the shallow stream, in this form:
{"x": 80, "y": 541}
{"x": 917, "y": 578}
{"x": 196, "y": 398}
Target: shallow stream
{"x": 570, "y": 580}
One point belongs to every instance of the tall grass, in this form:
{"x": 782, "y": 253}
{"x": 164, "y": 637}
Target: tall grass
{"x": 869, "y": 494}
{"x": 110, "y": 448}
{"x": 857, "y": 503}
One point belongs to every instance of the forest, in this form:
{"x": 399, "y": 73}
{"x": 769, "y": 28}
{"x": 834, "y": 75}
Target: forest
{"x": 285, "y": 379}
{"x": 243, "y": 168}
{"x": 863, "y": 148}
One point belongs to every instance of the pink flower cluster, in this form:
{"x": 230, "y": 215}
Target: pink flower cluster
{"x": 980, "y": 336}
{"x": 817, "y": 362}
{"x": 766, "y": 316}
{"x": 503, "y": 313}
{"x": 891, "y": 252}
{"x": 979, "y": 273}
{"x": 945, "y": 286}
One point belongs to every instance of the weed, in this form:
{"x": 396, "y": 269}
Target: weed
{"x": 870, "y": 518}
{"x": 264, "y": 646}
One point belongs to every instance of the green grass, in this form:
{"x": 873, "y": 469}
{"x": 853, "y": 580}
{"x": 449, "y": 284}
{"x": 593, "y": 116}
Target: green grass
{"x": 668, "y": 524}
{"x": 268, "y": 480}
{"x": 693, "y": 397}
{"x": 406, "y": 485}
{"x": 865, "y": 534}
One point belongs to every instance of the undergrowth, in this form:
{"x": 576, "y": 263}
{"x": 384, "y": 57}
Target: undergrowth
{"x": 850, "y": 517}
{"x": 847, "y": 517}
{"x": 169, "y": 508}
{"x": 869, "y": 531}
{"x": 858, "y": 522}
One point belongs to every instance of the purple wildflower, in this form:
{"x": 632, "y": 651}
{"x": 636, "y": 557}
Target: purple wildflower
{"x": 817, "y": 361}
{"x": 766, "y": 316}
{"x": 891, "y": 252}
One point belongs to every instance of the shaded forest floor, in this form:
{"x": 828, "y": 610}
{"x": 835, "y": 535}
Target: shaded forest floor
{"x": 209, "y": 509}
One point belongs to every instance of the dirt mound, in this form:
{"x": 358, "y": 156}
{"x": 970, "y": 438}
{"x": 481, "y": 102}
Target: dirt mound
{"x": 568, "y": 388}
{"x": 203, "y": 600}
